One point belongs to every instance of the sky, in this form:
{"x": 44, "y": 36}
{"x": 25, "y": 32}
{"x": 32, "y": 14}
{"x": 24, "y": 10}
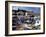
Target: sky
{"x": 34, "y": 9}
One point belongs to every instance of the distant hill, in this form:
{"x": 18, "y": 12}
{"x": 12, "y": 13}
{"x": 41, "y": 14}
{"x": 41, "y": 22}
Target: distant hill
{"x": 36, "y": 14}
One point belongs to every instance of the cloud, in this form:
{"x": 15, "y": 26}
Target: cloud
{"x": 34, "y": 9}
